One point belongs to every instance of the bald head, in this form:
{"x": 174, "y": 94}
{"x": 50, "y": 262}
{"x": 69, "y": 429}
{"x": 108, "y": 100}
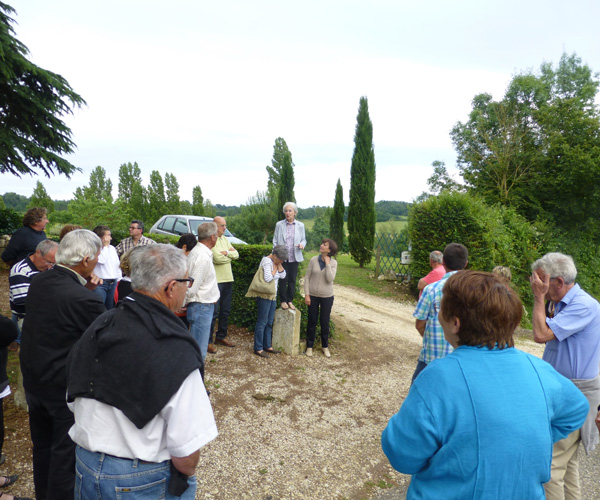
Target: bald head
{"x": 221, "y": 225}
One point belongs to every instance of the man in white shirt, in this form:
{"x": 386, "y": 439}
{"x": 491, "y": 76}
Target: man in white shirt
{"x": 137, "y": 437}
{"x": 204, "y": 293}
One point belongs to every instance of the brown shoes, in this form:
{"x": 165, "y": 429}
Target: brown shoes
{"x": 211, "y": 348}
{"x": 224, "y": 342}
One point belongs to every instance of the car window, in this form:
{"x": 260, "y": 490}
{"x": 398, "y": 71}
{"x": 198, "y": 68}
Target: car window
{"x": 180, "y": 227}
{"x": 228, "y": 234}
{"x": 167, "y": 224}
{"x": 194, "y": 223}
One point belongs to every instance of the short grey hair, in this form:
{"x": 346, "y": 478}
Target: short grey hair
{"x": 436, "y": 256}
{"x": 290, "y": 204}
{"x": 206, "y": 230}
{"x": 153, "y": 266}
{"x": 46, "y": 246}
{"x": 76, "y": 246}
{"x": 280, "y": 251}
{"x": 557, "y": 265}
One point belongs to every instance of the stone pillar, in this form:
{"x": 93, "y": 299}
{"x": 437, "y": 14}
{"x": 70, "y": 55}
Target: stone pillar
{"x": 286, "y": 331}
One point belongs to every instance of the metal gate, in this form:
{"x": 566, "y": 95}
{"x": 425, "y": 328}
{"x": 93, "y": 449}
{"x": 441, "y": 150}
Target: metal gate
{"x": 392, "y": 254}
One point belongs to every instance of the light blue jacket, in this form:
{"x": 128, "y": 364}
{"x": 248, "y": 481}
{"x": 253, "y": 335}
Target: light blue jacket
{"x": 299, "y": 237}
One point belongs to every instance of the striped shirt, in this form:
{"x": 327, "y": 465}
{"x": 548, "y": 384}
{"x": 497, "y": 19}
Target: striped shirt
{"x": 267, "y": 265}
{"x": 18, "y": 281}
{"x": 127, "y": 244}
{"x": 434, "y": 344}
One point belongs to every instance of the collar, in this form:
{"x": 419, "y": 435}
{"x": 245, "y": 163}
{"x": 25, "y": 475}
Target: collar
{"x": 80, "y": 278}
{"x": 570, "y": 294}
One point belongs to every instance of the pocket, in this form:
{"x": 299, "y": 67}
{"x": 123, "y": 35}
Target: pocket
{"x": 151, "y": 491}
{"x": 78, "y": 481}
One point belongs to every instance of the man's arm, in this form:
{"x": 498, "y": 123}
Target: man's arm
{"x": 541, "y": 331}
{"x": 187, "y": 465}
{"x": 422, "y": 284}
{"x": 420, "y": 326}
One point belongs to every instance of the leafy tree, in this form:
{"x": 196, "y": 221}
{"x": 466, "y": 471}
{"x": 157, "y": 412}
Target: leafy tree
{"x": 32, "y": 102}
{"x": 173, "y": 201}
{"x": 280, "y": 150}
{"x": 41, "y": 198}
{"x": 260, "y": 215}
{"x": 538, "y": 149}
{"x": 100, "y": 187}
{"x": 336, "y": 221}
{"x": 197, "y": 201}
{"x": 361, "y": 209}
{"x": 16, "y": 201}
{"x": 132, "y": 194}
{"x": 209, "y": 210}
{"x": 285, "y": 190}
{"x": 319, "y": 230}
{"x": 186, "y": 207}
{"x": 157, "y": 203}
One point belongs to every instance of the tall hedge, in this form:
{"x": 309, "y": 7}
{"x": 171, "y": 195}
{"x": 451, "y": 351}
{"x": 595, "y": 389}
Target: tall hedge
{"x": 494, "y": 236}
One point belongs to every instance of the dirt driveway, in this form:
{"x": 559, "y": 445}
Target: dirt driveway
{"x": 297, "y": 427}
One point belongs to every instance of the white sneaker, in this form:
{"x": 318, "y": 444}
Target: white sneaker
{"x": 309, "y": 351}
{"x": 326, "y": 352}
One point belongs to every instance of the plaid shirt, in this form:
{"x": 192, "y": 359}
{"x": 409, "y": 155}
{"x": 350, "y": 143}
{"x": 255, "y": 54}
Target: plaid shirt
{"x": 434, "y": 343}
{"x": 127, "y": 244}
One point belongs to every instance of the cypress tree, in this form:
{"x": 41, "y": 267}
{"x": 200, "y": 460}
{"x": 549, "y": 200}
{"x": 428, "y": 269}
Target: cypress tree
{"x": 336, "y": 221}
{"x": 286, "y": 184}
{"x": 361, "y": 208}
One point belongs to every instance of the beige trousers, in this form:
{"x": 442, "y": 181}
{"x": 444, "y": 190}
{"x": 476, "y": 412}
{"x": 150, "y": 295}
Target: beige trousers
{"x": 564, "y": 481}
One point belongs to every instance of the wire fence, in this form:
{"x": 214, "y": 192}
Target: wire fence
{"x": 392, "y": 255}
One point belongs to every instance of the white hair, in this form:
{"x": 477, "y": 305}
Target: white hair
{"x": 291, "y": 204}
{"x": 46, "y": 246}
{"x": 76, "y": 246}
{"x": 153, "y": 266}
{"x": 557, "y": 265}
{"x": 206, "y": 230}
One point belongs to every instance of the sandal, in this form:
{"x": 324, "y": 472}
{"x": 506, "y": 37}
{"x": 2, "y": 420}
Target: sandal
{"x": 261, "y": 354}
{"x": 291, "y": 306}
{"x": 9, "y": 480}
{"x": 273, "y": 351}
{"x": 284, "y": 306}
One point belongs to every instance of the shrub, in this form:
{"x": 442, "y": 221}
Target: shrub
{"x": 10, "y": 221}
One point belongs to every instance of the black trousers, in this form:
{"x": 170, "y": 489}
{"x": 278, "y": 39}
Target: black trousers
{"x": 287, "y": 285}
{"x": 221, "y": 311}
{"x": 53, "y": 449}
{"x": 324, "y": 304}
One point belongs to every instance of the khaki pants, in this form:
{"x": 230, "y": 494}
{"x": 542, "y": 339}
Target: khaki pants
{"x": 564, "y": 481}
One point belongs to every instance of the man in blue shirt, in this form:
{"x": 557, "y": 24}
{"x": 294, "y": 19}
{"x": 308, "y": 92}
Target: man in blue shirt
{"x": 570, "y": 327}
{"x": 455, "y": 258}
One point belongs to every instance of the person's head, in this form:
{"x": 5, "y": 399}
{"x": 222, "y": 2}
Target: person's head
{"x": 207, "y": 234}
{"x": 280, "y": 254}
{"x": 79, "y": 251}
{"x": 187, "y": 242}
{"x": 455, "y": 257}
{"x": 44, "y": 256}
{"x": 36, "y": 218}
{"x": 329, "y": 246}
{"x": 160, "y": 271}
{"x": 67, "y": 228}
{"x": 435, "y": 258}
{"x": 125, "y": 265}
{"x": 221, "y": 225}
{"x": 479, "y": 309}
{"x": 290, "y": 210}
{"x": 136, "y": 229}
{"x": 503, "y": 272}
{"x": 104, "y": 234}
{"x": 562, "y": 272}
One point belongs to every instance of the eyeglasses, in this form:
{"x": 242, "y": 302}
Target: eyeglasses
{"x": 48, "y": 263}
{"x": 132, "y": 227}
{"x": 190, "y": 282}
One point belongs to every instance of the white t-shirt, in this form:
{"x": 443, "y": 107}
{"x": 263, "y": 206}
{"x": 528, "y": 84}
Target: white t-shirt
{"x": 183, "y": 426}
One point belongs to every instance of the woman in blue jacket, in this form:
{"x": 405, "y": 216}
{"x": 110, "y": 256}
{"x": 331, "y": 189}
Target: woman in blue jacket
{"x": 480, "y": 423}
{"x": 289, "y": 232}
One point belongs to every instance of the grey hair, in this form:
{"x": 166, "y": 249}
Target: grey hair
{"x": 153, "y": 266}
{"x": 290, "y": 204}
{"x": 206, "y": 230}
{"x": 280, "y": 251}
{"x": 46, "y": 246}
{"x": 76, "y": 246}
{"x": 557, "y": 265}
{"x": 436, "y": 256}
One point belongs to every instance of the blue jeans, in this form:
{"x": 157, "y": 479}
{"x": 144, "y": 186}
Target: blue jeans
{"x": 107, "y": 293}
{"x": 199, "y": 317}
{"x": 19, "y": 324}
{"x": 421, "y": 365}
{"x": 100, "y": 476}
{"x": 264, "y": 323}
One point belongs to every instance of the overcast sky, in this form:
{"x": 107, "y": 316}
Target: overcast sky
{"x": 202, "y": 89}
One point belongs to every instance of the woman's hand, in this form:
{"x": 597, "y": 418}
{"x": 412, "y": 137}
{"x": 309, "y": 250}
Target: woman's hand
{"x": 326, "y": 259}
{"x": 307, "y": 300}
{"x": 301, "y": 247}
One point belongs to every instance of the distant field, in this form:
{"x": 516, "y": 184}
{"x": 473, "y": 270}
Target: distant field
{"x": 392, "y": 226}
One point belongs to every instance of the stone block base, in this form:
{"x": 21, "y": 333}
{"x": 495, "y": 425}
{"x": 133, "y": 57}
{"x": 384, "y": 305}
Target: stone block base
{"x": 286, "y": 331}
